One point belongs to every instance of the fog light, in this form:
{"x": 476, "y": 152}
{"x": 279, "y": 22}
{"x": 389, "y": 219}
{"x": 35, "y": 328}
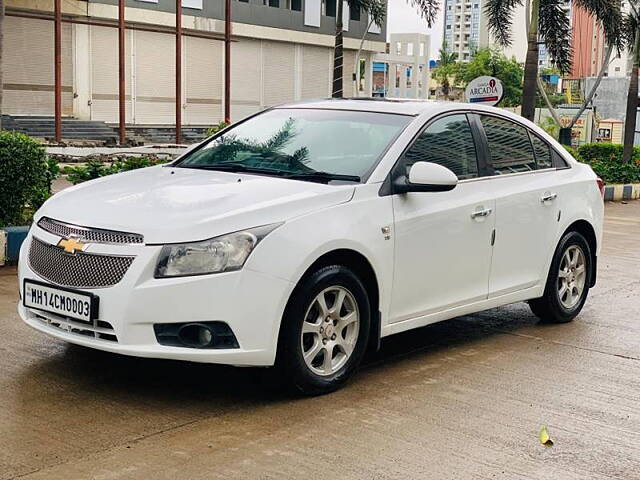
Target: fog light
{"x": 195, "y": 335}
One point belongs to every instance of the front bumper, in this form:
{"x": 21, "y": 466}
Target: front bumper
{"x": 250, "y": 302}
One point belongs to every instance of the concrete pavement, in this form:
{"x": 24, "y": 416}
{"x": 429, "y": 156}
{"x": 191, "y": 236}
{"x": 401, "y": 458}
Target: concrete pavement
{"x": 462, "y": 399}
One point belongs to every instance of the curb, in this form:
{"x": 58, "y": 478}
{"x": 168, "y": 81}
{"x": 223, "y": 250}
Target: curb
{"x": 617, "y": 193}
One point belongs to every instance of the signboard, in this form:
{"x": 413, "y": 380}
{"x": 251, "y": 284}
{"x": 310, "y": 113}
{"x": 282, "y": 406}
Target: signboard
{"x": 484, "y": 91}
{"x": 581, "y": 131}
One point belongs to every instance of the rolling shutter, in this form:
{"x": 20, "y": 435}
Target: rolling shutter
{"x": 246, "y": 78}
{"x": 279, "y": 78}
{"x": 104, "y": 74}
{"x": 154, "y": 78}
{"x": 203, "y": 77}
{"x": 28, "y": 67}
{"x": 316, "y": 72}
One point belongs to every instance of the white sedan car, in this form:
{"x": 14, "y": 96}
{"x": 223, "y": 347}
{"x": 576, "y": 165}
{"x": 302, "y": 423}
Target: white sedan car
{"x": 300, "y": 236}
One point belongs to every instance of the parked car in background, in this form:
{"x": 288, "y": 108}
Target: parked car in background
{"x": 299, "y": 237}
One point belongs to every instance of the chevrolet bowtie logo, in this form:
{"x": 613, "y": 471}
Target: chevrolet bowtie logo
{"x": 71, "y": 245}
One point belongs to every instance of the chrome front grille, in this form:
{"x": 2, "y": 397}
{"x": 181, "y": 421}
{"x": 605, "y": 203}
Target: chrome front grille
{"x": 88, "y": 235}
{"x": 80, "y": 269}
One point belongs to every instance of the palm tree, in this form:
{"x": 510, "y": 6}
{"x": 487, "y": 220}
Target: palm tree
{"x": 426, "y": 8}
{"x": 631, "y": 35}
{"x": 548, "y": 24}
{"x": 377, "y": 11}
{"x": 445, "y": 69}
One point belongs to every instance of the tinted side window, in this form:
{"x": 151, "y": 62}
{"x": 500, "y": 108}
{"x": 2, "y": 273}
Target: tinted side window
{"x": 509, "y": 146}
{"x": 448, "y": 142}
{"x": 542, "y": 151}
{"x": 558, "y": 161}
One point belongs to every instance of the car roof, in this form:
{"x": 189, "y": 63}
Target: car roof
{"x": 410, "y": 107}
{"x": 399, "y": 106}
{"x": 396, "y": 106}
{"x": 403, "y": 106}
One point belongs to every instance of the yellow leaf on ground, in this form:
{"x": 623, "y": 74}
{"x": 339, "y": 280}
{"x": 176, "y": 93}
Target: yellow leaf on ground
{"x": 545, "y": 439}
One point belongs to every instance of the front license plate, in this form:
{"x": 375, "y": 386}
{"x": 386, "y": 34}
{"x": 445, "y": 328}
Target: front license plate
{"x": 61, "y": 301}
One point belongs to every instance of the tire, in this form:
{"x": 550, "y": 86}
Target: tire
{"x": 339, "y": 334}
{"x": 559, "y": 305}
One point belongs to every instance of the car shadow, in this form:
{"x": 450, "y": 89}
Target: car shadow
{"x": 176, "y": 385}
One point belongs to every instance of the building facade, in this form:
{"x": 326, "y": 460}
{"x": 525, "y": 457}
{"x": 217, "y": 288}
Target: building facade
{"x": 282, "y": 51}
{"x": 587, "y": 40}
{"x": 403, "y": 72}
{"x": 465, "y": 28}
{"x": 621, "y": 62}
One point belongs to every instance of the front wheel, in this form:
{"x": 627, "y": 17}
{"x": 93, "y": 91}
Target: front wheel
{"x": 324, "y": 331}
{"x": 567, "y": 285}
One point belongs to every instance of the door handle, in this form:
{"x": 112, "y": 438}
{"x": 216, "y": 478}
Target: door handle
{"x": 481, "y": 213}
{"x": 548, "y": 197}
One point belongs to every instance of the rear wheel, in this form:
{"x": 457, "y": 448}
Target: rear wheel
{"x": 567, "y": 285}
{"x": 324, "y": 332}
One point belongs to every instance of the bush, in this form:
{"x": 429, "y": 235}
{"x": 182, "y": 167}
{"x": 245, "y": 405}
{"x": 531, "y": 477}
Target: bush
{"x": 574, "y": 153}
{"x": 614, "y": 172}
{"x": 605, "y": 152}
{"x": 96, "y": 169}
{"x": 606, "y": 161}
{"x": 216, "y": 128}
{"x": 25, "y": 177}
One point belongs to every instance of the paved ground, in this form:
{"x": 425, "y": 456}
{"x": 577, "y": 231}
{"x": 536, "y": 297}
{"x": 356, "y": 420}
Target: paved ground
{"x": 462, "y": 399}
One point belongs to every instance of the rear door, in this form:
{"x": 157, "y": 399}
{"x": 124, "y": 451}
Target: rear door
{"x": 527, "y": 192}
{"x": 442, "y": 239}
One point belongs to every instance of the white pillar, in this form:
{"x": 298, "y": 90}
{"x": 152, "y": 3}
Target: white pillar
{"x": 368, "y": 76}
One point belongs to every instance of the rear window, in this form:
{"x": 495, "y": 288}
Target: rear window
{"x": 509, "y": 146}
{"x": 542, "y": 151}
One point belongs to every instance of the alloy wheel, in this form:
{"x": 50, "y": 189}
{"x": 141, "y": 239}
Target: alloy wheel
{"x": 330, "y": 330}
{"x": 572, "y": 277}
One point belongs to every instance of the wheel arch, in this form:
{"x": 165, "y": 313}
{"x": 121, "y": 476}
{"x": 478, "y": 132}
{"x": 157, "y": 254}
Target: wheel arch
{"x": 585, "y": 228}
{"x": 363, "y": 268}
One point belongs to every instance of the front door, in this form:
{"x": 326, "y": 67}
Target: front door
{"x": 442, "y": 239}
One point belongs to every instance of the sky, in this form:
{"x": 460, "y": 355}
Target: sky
{"x": 403, "y": 18}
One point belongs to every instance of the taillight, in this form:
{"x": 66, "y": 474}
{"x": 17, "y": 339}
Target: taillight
{"x": 600, "y": 183}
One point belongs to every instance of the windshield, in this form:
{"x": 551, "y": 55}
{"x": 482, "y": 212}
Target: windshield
{"x": 301, "y": 143}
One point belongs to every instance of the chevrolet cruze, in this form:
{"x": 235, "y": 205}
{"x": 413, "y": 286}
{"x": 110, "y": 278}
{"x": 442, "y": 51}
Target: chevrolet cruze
{"x": 299, "y": 237}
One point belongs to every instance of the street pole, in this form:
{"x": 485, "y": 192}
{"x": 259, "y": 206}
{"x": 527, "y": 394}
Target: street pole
{"x": 57, "y": 76}
{"x": 121, "y": 73}
{"x": 178, "y": 71}
{"x": 227, "y": 61}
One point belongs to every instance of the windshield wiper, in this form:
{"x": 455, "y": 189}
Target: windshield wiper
{"x": 324, "y": 177}
{"x": 236, "y": 167}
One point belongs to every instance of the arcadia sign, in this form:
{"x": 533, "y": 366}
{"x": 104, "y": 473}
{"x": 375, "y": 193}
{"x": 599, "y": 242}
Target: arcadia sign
{"x": 484, "y": 90}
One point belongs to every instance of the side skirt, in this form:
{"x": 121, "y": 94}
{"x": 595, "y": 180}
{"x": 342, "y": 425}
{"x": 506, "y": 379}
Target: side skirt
{"x": 514, "y": 297}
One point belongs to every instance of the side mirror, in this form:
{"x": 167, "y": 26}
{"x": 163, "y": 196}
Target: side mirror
{"x": 426, "y": 177}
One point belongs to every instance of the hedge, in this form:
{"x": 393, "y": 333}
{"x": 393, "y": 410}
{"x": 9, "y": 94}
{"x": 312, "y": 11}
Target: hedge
{"x": 606, "y": 161}
{"x": 26, "y": 174}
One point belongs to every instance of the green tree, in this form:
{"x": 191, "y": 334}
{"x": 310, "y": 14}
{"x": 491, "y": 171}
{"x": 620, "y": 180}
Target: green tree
{"x": 447, "y": 68}
{"x": 493, "y": 63}
{"x": 548, "y": 24}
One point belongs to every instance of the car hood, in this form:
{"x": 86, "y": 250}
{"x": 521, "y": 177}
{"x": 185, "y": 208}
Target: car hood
{"x": 169, "y": 205}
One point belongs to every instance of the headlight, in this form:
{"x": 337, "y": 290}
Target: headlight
{"x": 220, "y": 254}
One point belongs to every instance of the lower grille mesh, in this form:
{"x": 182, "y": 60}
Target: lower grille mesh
{"x": 82, "y": 270}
